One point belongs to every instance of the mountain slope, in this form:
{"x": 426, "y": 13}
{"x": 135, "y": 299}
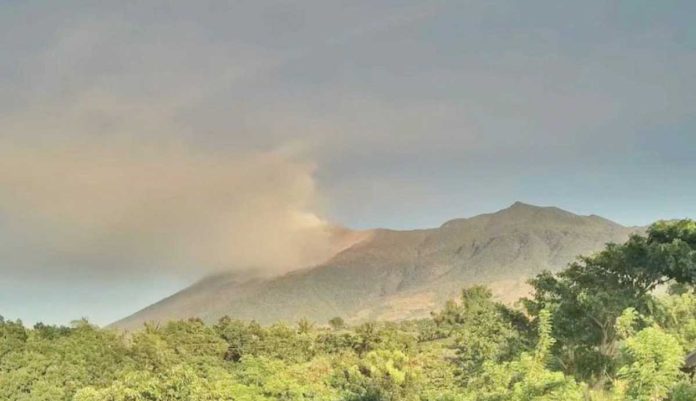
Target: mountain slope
{"x": 401, "y": 274}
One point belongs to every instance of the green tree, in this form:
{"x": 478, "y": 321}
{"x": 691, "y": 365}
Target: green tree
{"x": 652, "y": 359}
{"x": 683, "y": 391}
{"x": 283, "y": 342}
{"x": 679, "y": 318}
{"x": 527, "y": 377}
{"x": 382, "y": 375}
{"x": 589, "y": 296}
{"x": 242, "y": 338}
{"x": 337, "y": 323}
{"x": 13, "y": 336}
{"x": 482, "y": 330}
{"x": 305, "y": 326}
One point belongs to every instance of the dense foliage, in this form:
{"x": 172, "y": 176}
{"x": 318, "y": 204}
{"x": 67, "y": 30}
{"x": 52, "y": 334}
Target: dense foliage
{"x": 603, "y": 329}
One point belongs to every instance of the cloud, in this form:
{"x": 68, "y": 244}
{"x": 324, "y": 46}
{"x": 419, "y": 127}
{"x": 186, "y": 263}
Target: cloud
{"x": 117, "y": 208}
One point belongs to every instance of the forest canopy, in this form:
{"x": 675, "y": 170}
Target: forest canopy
{"x": 617, "y": 325}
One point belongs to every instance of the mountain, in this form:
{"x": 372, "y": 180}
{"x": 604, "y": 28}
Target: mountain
{"x": 389, "y": 274}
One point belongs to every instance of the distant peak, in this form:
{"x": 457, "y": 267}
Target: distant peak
{"x": 522, "y": 205}
{"x": 525, "y": 209}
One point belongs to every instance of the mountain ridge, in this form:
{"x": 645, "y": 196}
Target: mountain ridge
{"x": 397, "y": 274}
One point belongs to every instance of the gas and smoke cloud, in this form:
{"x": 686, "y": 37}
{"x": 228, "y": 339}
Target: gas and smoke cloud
{"x": 115, "y": 208}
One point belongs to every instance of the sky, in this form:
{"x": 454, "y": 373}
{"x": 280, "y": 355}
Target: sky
{"x": 144, "y": 145}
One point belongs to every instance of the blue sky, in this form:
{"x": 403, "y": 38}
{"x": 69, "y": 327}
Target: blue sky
{"x": 138, "y": 139}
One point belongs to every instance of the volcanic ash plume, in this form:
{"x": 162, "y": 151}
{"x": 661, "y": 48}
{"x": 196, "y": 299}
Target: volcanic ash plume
{"x": 120, "y": 209}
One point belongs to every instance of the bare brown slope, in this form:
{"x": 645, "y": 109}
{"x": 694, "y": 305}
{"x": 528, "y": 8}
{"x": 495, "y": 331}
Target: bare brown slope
{"x": 402, "y": 274}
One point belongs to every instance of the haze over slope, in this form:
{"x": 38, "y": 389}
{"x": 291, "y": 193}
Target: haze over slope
{"x": 401, "y": 274}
